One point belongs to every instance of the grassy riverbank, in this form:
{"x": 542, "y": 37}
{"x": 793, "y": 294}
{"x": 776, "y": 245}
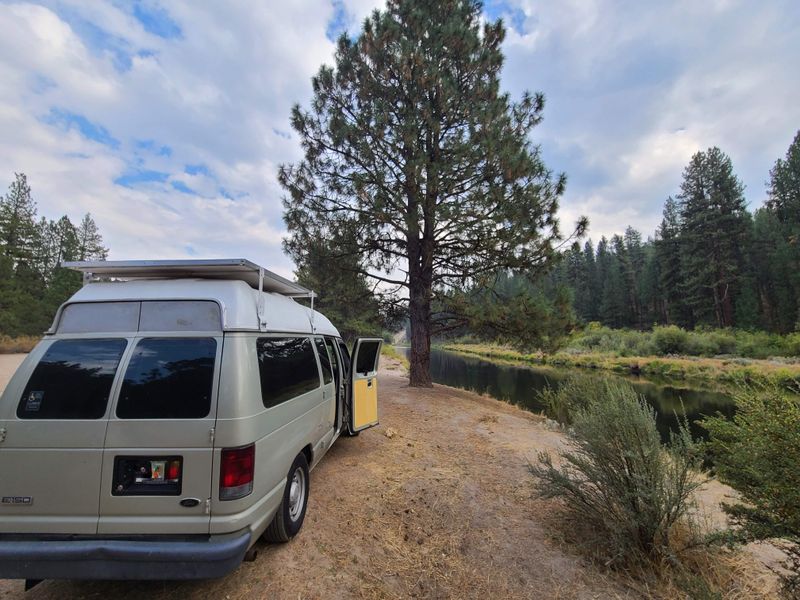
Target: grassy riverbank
{"x": 701, "y": 369}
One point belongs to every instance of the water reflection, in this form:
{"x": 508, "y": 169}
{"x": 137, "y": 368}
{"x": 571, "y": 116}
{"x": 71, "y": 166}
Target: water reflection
{"x": 519, "y": 384}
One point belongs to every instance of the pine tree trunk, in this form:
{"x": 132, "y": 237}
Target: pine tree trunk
{"x": 420, "y": 362}
{"x": 420, "y": 280}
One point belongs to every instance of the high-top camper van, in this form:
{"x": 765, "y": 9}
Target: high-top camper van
{"x": 169, "y": 418}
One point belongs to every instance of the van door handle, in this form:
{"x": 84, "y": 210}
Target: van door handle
{"x": 369, "y": 382}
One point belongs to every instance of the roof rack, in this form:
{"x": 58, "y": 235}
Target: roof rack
{"x": 238, "y": 269}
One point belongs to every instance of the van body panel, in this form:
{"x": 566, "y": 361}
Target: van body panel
{"x": 366, "y": 405}
{"x": 53, "y": 466}
{"x": 189, "y": 439}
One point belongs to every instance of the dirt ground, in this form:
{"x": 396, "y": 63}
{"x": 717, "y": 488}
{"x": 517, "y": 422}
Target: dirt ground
{"x": 435, "y": 502}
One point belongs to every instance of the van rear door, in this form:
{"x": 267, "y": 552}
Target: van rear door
{"x": 54, "y": 414}
{"x": 364, "y": 379}
{"x": 158, "y": 451}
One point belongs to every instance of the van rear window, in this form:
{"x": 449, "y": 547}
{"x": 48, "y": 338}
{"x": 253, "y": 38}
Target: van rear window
{"x": 168, "y": 378}
{"x": 367, "y": 357}
{"x": 287, "y": 367}
{"x": 72, "y": 380}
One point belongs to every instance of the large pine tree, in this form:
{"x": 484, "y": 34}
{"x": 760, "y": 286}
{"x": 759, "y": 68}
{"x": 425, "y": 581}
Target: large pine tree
{"x": 714, "y": 227}
{"x": 410, "y": 143}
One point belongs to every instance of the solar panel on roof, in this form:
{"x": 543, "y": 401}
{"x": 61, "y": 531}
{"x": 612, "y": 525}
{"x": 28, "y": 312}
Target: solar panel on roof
{"x": 222, "y": 268}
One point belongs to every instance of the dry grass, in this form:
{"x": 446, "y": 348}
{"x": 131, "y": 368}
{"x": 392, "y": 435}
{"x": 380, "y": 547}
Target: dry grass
{"x": 17, "y": 345}
{"x": 698, "y": 571}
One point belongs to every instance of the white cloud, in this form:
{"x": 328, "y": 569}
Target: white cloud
{"x": 633, "y": 90}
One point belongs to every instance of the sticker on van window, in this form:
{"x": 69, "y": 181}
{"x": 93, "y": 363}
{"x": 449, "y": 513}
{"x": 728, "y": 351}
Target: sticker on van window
{"x": 34, "y": 401}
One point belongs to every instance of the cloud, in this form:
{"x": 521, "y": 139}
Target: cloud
{"x": 167, "y": 121}
{"x": 634, "y": 89}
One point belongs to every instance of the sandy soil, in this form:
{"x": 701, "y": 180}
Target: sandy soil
{"x": 435, "y": 502}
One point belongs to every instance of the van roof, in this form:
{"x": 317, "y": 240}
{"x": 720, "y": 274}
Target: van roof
{"x": 239, "y": 269}
{"x": 243, "y": 307}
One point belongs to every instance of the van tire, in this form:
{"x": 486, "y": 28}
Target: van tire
{"x": 289, "y": 518}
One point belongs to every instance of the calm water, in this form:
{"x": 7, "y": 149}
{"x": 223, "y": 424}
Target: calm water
{"x": 519, "y": 384}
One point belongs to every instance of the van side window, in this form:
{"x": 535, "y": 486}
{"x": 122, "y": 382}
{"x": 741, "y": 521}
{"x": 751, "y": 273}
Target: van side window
{"x": 72, "y": 380}
{"x": 168, "y": 378}
{"x": 324, "y": 360}
{"x": 345, "y": 358}
{"x": 334, "y": 360}
{"x": 287, "y": 367}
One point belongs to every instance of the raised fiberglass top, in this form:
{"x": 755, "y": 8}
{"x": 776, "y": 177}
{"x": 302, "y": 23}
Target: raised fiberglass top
{"x": 236, "y": 296}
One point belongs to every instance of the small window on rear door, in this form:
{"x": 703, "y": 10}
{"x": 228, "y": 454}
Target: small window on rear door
{"x": 287, "y": 367}
{"x": 168, "y": 378}
{"x": 72, "y": 380}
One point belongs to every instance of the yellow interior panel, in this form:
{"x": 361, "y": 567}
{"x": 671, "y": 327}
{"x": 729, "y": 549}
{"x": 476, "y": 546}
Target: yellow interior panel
{"x": 365, "y": 399}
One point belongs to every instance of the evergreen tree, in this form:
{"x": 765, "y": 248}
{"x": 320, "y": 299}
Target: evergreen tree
{"x": 89, "y": 241}
{"x": 18, "y": 221}
{"x": 714, "y": 226}
{"x": 410, "y": 143}
{"x": 668, "y": 255}
{"x": 784, "y": 203}
{"x": 32, "y": 285}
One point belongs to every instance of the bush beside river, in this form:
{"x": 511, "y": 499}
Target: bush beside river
{"x": 725, "y": 369}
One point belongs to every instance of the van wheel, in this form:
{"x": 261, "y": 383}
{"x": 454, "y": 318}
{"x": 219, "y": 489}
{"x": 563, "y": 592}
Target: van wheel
{"x": 292, "y": 510}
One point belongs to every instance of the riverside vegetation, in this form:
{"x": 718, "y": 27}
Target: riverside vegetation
{"x": 704, "y": 355}
{"x": 628, "y": 501}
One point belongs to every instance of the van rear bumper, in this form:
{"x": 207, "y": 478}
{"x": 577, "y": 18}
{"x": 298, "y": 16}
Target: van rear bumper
{"x": 144, "y": 557}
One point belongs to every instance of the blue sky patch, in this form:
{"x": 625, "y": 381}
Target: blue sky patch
{"x": 152, "y": 146}
{"x": 182, "y": 187}
{"x": 338, "y": 23}
{"x": 197, "y": 170}
{"x": 135, "y": 177}
{"x": 98, "y": 40}
{"x": 156, "y": 20}
{"x": 67, "y": 121}
{"x": 512, "y": 16}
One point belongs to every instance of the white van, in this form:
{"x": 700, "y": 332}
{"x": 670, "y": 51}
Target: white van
{"x": 169, "y": 418}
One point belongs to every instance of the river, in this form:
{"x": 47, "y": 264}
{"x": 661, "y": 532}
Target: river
{"x": 519, "y": 385}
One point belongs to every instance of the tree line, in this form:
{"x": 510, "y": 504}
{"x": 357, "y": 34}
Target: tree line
{"x": 711, "y": 262}
{"x": 32, "y": 284}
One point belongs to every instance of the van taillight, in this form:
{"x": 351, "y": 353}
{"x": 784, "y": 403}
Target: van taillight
{"x": 236, "y": 472}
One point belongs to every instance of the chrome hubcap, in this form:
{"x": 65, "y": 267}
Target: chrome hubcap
{"x": 297, "y": 494}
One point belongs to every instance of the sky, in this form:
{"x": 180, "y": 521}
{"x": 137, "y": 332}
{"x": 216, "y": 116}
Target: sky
{"x": 167, "y": 120}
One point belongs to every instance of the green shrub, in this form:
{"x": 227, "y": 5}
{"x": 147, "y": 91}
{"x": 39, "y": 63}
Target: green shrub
{"x": 574, "y": 394}
{"x": 758, "y": 454}
{"x": 792, "y": 344}
{"x": 624, "y": 489}
{"x": 670, "y": 339}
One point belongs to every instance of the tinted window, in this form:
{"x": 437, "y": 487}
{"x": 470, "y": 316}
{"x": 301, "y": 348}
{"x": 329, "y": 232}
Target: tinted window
{"x": 334, "y": 359}
{"x": 367, "y": 357}
{"x": 168, "y": 378}
{"x": 90, "y": 317}
{"x": 180, "y": 315}
{"x": 345, "y": 359}
{"x": 324, "y": 361}
{"x": 72, "y": 380}
{"x": 288, "y": 368}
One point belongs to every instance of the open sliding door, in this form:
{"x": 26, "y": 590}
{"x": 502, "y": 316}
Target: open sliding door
{"x": 364, "y": 413}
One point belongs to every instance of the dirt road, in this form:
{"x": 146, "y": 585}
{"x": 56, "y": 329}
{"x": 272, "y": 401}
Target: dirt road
{"x": 436, "y": 502}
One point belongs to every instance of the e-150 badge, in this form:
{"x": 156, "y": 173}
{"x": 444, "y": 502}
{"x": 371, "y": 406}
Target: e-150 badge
{"x": 17, "y": 500}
